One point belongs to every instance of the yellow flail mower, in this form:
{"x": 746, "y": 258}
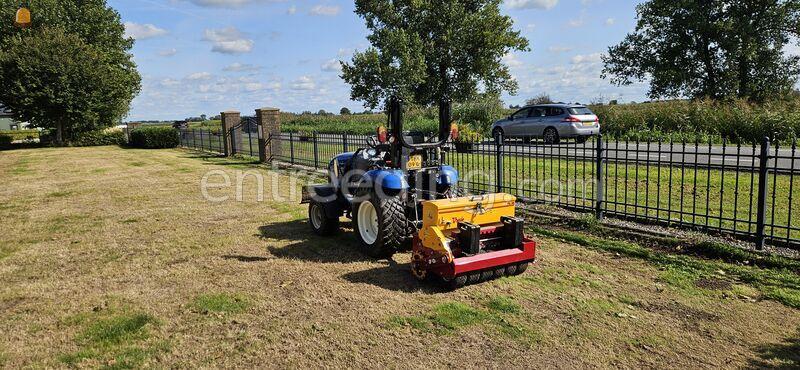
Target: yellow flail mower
{"x": 399, "y": 192}
{"x": 471, "y": 239}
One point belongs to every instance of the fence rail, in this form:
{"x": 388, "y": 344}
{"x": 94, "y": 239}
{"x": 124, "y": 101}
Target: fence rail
{"x": 202, "y": 139}
{"x": 742, "y": 191}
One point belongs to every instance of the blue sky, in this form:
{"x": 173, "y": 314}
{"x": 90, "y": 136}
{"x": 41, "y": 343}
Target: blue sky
{"x": 206, "y": 56}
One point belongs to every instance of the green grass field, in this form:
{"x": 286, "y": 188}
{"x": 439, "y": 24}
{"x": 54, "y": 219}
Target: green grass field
{"x": 120, "y": 262}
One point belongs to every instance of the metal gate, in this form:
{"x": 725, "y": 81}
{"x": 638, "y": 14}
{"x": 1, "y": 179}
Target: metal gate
{"x": 244, "y": 137}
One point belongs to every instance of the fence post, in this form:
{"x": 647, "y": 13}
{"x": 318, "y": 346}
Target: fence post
{"x": 316, "y": 150}
{"x": 763, "y": 180}
{"x": 600, "y": 189}
{"x": 291, "y": 148}
{"x": 269, "y": 131}
{"x": 499, "y": 175}
{"x": 344, "y": 142}
{"x": 229, "y": 120}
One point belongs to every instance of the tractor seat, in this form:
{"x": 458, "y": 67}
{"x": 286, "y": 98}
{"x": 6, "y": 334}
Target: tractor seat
{"x": 414, "y": 137}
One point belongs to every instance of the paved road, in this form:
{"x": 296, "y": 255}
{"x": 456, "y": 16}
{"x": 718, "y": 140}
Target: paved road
{"x": 702, "y": 155}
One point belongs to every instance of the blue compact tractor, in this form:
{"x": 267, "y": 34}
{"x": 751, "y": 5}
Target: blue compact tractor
{"x": 400, "y": 195}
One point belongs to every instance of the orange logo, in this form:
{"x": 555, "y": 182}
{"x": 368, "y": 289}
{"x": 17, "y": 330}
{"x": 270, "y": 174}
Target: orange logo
{"x": 23, "y": 18}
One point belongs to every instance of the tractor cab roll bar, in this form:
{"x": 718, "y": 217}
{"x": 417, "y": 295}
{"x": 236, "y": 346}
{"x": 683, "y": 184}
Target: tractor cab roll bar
{"x": 396, "y": 122}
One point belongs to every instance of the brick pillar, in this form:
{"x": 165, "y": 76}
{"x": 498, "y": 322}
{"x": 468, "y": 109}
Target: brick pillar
{"x": 230, "y": 120}
{"x": 269, "y": 120}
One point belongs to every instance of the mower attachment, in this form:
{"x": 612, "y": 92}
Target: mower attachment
{"x": 470, "y": 239}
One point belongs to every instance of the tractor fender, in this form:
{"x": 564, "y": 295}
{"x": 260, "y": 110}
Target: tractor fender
{"x": 391, "y": 181}
{"x": 448, "y": 176}
{"x": 328, "y": 196}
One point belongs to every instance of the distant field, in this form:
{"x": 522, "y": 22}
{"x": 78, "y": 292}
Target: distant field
{"x": 735, "y": 121}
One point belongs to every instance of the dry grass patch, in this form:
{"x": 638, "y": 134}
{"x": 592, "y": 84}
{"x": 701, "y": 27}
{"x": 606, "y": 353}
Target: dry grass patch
{"x": 125, "y": 262}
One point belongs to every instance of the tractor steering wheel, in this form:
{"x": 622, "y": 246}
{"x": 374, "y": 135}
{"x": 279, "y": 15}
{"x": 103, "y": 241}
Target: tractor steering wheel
{"x": 372, "y": 141}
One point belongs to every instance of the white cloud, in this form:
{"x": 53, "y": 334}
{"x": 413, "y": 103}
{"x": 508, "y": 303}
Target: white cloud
{"x": 253, "y": 86}
{"x": 143, "y": 31}
{"x": 332, "y": 65}
{"x": 292, "y": 10}
{"x": 240, "y": 67}
{"x": 576, "y": 22}
{"x": 228, "y": 41}
{"x": 325, "y": 10}
{"x": 530, "y": 27}
{"x": 531, "y": 4}
{"x": 167, "y": 52}
{"x": 169, "y": 82}
{"x": 559, "y": 49}
{"x": 228, "y": 3}
{"x": 587, "y": 58}
{"x": 512, "y": 60}
{"x": 610, "y": 21}
{"x": 199, "y": 76}
{"x": 303, "y": 83}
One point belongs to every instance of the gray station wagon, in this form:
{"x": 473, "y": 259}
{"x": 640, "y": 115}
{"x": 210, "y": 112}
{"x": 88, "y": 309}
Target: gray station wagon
{"x": 551, "y": 122}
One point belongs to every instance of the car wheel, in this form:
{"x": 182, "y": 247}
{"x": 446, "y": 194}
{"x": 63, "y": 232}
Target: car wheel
{"x": 497, "y": 131}
{"x": 550, "y": 136}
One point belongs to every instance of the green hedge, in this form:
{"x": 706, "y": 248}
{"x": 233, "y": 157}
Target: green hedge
{"x": 154, "y": 138}
{"x": 100, "y": 137}
{"x": 20, "y": 134}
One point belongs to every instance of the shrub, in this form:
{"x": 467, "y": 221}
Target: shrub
{"x": 20, "y": 134}
{"x": 113, "y": 136}
{"x": 480, "y": 113}
{"x": 5, "y": 141}
{"x": 154, "y": 138}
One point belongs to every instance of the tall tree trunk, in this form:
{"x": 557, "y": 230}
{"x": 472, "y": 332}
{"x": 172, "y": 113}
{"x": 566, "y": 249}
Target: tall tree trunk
{"x": 711, "y": 73}
{"x": 60, "y": 133}
{"x": 744, "y": 73}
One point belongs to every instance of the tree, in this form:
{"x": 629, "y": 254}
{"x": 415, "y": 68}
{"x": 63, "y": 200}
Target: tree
{"x": 71, "y": 71}
{"x": 709, "y": 48}
{"x": 426, "y": 50}
{"x": 344, "y": 111}
{"x": 203, "y": 117}
{"x": 543, "y": 98}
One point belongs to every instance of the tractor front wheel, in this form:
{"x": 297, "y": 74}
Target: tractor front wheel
{"x": 380, "y": 225}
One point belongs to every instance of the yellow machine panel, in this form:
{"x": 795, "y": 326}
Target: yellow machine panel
{"x": 478, "y": 209}
{"x": 441, "y": 217}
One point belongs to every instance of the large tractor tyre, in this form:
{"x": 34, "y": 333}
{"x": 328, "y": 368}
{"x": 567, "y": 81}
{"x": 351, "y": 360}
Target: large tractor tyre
{"x": 319, "y": 220}
{"x": 380, "y": 225}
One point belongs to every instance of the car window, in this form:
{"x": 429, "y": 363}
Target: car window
{"x": 537, "y": 112}
{"x": 578, "y": 111}
{"x": 522, "y": 113}
{"x": 553, "y": 111}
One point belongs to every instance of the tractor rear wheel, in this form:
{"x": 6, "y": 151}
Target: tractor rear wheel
{"x": 380, "y": 225}
{"x": 319, "y": 220}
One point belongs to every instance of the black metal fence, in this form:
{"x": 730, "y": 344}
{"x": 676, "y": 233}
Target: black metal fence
{"x": 743, "y": 191}
{"x": 244, "y": 137}
{"x": 202, "y": 139}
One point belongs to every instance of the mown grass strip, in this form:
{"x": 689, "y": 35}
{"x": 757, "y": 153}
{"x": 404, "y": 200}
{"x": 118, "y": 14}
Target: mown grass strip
{"x": 221, "y": 303}
{"x": 498, "y": 314}
{"x": 118, "y": 341}
{"x": 780, "y": 284}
